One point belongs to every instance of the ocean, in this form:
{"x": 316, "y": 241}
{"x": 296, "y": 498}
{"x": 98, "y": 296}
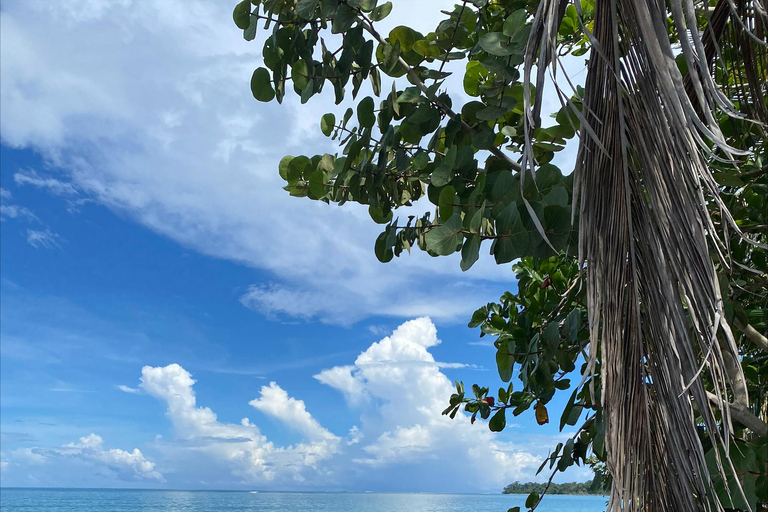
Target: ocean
{"x": 113, "y": 500}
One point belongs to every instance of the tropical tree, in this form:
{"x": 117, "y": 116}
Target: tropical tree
{"x": 646, "y": 262}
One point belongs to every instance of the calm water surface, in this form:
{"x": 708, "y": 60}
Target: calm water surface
{"x": 94, "y": 500}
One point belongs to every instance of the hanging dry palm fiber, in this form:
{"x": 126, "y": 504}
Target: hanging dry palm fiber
{"x": 642, "y": 184}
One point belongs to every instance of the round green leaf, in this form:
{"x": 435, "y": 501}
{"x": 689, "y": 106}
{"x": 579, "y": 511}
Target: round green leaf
{"x": 498, "y": 421}
{"x": 327, "y": 123}
{"x": 378, "y": 215}
{"x": 261, "y": 85}
{"x": 365, "y": 115}
{"x": 406, "y": 36}
{"x": 381, "y": 12}
{"x": 283, "y": 167}
{"x": 242, "y": 14}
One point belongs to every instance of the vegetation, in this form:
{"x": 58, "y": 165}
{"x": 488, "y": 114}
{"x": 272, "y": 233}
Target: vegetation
{"x": 566, "y": 488}
{"x": 644, "y": 269}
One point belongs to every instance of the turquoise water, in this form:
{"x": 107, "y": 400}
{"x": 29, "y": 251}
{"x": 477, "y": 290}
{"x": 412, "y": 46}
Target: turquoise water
{"x": 103, "y": 500}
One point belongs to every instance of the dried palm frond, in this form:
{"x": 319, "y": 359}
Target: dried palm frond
{"x": 642, "y": 183}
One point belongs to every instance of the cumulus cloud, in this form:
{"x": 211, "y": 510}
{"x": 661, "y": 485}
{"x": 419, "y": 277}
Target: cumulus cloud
{"x": 240, "y": 448}
{"x": 275, "y": 402}
{"x": 399, "y": 390}
{"x": 129, "y": 466}
{"x": 397, "y": 438}
{"x": 114, "y": 463}
{"x": 405, "y": 394}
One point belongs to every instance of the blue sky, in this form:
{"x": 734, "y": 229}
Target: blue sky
{"x": 158, "y": 286}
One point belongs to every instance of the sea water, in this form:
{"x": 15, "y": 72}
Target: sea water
{"x": 113, "y": 500}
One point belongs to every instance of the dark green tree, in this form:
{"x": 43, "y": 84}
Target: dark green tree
{"x": 646, "y": 265}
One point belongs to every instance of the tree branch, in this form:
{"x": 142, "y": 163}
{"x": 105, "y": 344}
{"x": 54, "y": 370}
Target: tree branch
{"x": 735, "y": 374}
{"x": 743, "y": 415}
{"x": 753, "y": 335}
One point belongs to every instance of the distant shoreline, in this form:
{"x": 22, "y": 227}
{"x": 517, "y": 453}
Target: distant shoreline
{"x": 255, "y": 491}
{"x": 553, "y": 489}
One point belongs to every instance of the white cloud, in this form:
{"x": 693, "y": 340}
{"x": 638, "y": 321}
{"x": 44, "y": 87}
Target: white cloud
{"x": 127, "y": 389}
{"x": 406, "y": 395}
{"x": 396, "y": 439}
{"x": 188, "y": 153}
{"x": 275, "y": 401}
{"x": 128, "y": 466}
{"x": 45, "y": 239}
{"x": 14, "y": 211}
{"x": 54, "y": 186}
{"x": 399, "y": 390}
{"x": 343, "y": 379}
{"x": 241, "y": 449}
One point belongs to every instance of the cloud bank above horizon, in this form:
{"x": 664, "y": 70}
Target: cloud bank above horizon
{"x": 395, "y": 386}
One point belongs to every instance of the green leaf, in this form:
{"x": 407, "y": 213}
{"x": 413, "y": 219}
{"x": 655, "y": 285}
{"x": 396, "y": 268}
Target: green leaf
{"x": 242, "y": 14}
{"x": 504, "y": 361}
{"x": 498, "y": 421}
{"x": 384, "y": 243}
{"x": 443, "y": 174}
{"x": 300, "y": 74}
{"x": 572, "y": 325}
{"x": 512, "y": 236}
{"x": 406, "y": 36}
{"x": 445, "y": 203}
{"x": 327, "y": 123}
{"x": 343, "y": 20}
{"x": 475, "y": 73}
{"x": 378, "y": 215}
{"x": 306, "y": 8}
{"x": 365, "y": 115}
{"x": 249, "y": 34}
{"x": 317, "y": 183}
{"x": 514, "y": 22}
{"x": 470, "y": 251}
{"x": 496, "y": 44}
{"x": 557, "y": 225}
{"x": 410, "y": 95}
{"x": 491, "y": 112}
{"x": 532, "y": 499}
{"x": 261, "y": 85}
{"x": 283, "y": 166}
{"x": 568, "y": 408}
{"x": 381, "y": 12}
{"x": 444, "y": 239}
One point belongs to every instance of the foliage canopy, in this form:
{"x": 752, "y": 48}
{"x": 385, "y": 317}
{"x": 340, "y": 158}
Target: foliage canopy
{"x": 646, "y": 266}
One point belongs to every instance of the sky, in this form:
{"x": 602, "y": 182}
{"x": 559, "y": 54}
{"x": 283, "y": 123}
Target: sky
{"x": 171, "y": 318}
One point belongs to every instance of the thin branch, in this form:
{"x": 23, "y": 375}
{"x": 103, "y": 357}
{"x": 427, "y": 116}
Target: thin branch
{"x": 743, "y": 415}
{"x": 753, "y": 335}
